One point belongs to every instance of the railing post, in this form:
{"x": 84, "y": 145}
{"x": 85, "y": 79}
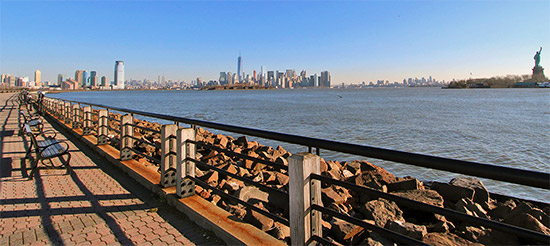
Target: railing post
{"x": 168, "y": 155}
{"x": 102, "y": 124}
{"x": 55, "y": 108}
{"x": 303, "y": 192}
{"x": 87, "y": 127}
{"x": 184, "y": 169}
{"x": 68, "y": 113}
{"x": 76, "y": 114}
{"x": 60, "y": 110}
{"x": 126, "y": 143}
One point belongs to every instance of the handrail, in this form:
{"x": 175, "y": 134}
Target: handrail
{"x": 507, "y": 174}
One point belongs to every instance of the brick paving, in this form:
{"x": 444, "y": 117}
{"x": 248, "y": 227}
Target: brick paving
{"x": 96, "y": 204}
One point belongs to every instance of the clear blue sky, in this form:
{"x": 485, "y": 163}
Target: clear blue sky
{"x": 355, "y": 40}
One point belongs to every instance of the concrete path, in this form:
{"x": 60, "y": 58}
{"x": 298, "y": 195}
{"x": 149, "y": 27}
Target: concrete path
{"x": 96, "y": 205}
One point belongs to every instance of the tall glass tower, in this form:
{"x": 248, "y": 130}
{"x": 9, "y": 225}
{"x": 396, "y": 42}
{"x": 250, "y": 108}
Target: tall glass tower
{"x": 239, "y": 67}
{"x": 119, "y": 75}
{"x": 85, "y": 79}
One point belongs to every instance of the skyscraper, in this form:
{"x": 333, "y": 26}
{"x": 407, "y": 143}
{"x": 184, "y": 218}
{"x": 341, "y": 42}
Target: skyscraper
{"x": 325, "y": 79}
{"x": 93, "y": 78}
{"x": 60, "y": 79}
{"x": 119, "y": 75}
{"x": 223, "y": 78}
{"x": 84, "y": 79}
{"x": 239, "y": 67}
{"x": 37, "y": 77}
{"x": 104, "y": 81}
{"x": 79, "y": 76}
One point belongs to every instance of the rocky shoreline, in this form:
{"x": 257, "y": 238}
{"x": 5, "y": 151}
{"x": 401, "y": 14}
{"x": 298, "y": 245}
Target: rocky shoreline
{"x": 464, "y": 194}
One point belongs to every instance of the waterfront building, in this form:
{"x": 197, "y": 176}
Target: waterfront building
{"x": 84, "y": 79}
{"x": 235, "y": 78}
{"x": 239, "y": 67}
{"x": 270, "y": 77}
{"x": 104, "y": 81}
{"x": 79, "y": 76}
{"x": 11, "y": 81}
{"x": 315, "y": 80}
{"x": 230, "y": 78}
{"x": 37, "y": 77}
{"x": 69, "y": 84}
{"x": 223, "y": 78}
{"x": 60, "y": 78}
{"x": 303, "y": 75}
{"x": 119, "y": 75}
{"x": 93, "y": 78}
{"x": 290, "y": 73}
{"x": 325, "y": 79}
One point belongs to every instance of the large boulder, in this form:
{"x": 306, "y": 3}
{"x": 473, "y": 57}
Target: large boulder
{"x": 405, "y": 184}
{"x": 241, "y": 141}
{"x": 446, "y": 239}
{"x": 471, "y": 208}
{"x": 481, "y": 194}
{"x": 452, "y": 193}
{"x": 250, "y": 192}
{"x": 334, "y": 194}
{"x": 502, "y": 209}
{"x": 253, "y": 194}
{"x": 406, "y": 228}
{"x": 526, "y": 216}
{"x": 373, "y": 176}
{"x": 258, "y": 220}
{"x": 381, "y": 211}
{"x": 340, "y": 229}
{"x": 221, "y": 140}
{"x": 279, "y": 231}
{"x": 375, "y": 239}
{"x": 426, "y": 196}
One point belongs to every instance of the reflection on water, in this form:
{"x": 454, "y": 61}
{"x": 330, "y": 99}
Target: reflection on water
{"x": 507, "y": 127}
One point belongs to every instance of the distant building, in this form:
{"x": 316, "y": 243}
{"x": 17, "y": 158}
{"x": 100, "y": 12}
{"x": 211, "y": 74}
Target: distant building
{"x": 93, "y": 78}
{"x": 119, "y": 75}
{"x": 69, "y": 84}
{"x": 37, "y": 77}
{"x": 79, "y": 76}
{"x": 239, "y": 67}
{"x": 104, "y": 81}
{"x": 85, "y": 81}
{"x": 223, "y": 78}
{"x": 230, "y": 78}
{"x": 315, "y": 80}
{"x": 60, "y": 79}
{"x": 325, "y": 79}
{"x": 270, "y": 77}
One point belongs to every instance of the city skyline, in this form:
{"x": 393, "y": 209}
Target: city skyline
{"x": 356, "y": 41}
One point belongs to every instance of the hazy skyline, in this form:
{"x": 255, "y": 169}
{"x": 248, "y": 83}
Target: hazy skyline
{"x": 355, "y": 41}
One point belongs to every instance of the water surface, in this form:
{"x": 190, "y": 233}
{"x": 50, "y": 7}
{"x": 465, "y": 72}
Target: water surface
{"x": 508, "y": 127}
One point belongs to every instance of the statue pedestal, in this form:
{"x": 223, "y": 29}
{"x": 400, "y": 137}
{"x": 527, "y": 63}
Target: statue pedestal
{"x": 538, "y": 74}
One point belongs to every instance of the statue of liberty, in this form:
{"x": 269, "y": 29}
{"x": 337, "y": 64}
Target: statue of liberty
{"x": 537, "y": 58}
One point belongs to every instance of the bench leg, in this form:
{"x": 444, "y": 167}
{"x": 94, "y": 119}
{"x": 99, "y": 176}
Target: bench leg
{"x": 28, "y": 154}
{"x": 66, "y": 163}
{"x": 34, "y": 167}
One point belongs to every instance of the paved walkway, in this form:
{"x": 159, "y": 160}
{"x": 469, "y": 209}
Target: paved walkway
{"x": 96, "y": 205}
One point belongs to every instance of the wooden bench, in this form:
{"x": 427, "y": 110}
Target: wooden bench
{"x": 46, "y": 149}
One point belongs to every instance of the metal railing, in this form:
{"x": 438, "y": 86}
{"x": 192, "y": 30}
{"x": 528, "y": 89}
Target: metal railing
{"x": 177, "y": 167}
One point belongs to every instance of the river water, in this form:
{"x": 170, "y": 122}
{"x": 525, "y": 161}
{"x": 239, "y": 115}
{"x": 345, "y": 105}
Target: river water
{"x": 508, "y": 127}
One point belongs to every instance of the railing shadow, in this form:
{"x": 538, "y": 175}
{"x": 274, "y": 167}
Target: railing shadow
{"x": 170, "y": 215}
